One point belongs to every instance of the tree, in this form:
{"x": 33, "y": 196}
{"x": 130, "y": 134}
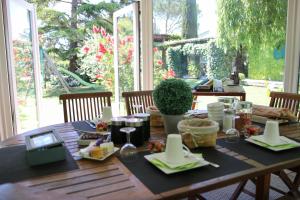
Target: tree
{"x": 168, "y": 13}
{"x": 254, "y": 26}
{"x": 63, "y": 33}
{"x": 190, "y": 19}
{"x": 190, "y": 28}
{"x": 251, "y": 23}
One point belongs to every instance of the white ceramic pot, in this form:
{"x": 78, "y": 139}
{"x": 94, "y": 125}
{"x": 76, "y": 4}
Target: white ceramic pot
{"x": 170, "y": 123}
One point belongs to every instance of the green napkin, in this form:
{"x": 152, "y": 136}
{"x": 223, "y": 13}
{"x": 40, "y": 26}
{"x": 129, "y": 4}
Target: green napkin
{"x": 161, "y": 164}
{"x": 282, "y": 146}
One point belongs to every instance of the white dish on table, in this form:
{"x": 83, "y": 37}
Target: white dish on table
{"x": 79, "y": 154}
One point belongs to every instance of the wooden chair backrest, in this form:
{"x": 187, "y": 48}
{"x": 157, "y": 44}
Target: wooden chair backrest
{"x": 286, "y": 100}
{"x": 137, "y": 98}
{"x": 84, "y": 106}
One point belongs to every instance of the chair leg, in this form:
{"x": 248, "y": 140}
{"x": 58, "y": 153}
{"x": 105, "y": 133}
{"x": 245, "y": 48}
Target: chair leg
{"x": 238, "y": 190}
{"x": 192, "y": 197}
{"x": 200, "y": 197}
{"x": 293, "y": 186}
{"x": 284, "y": 177}
{"x": 296, "y": 181}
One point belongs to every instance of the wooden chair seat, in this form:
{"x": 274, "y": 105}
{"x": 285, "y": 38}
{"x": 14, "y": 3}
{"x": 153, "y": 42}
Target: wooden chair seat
{"x": 84, "y": 106}
{"x": 138, "y": 101}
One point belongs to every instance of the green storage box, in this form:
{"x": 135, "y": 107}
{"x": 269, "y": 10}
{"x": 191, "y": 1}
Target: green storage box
{"x": 45, "y": 147}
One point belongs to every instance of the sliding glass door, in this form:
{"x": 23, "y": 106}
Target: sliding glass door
{"x": 126, "y": 51}
{"x": 22, "y": 42}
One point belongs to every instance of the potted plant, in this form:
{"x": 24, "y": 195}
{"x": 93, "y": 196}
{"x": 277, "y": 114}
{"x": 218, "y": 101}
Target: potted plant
{"x": 172, "y": 97}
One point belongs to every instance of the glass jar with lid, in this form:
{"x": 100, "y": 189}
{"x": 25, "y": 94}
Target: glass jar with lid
{"x": 137, "y": 136}
{"x": 117, "y": 136}
{"x": 146, "y": 124}
{"x": 244, "y": 113}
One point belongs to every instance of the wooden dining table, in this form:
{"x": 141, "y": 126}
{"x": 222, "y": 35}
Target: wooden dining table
{"x": 111, "y": 179}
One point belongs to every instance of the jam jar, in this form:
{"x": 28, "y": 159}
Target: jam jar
{"x": 146, "y": 124}
{"x": 244, "y": 113}
{"x": 117, "y": 136}
{"x": 137, "y": 136}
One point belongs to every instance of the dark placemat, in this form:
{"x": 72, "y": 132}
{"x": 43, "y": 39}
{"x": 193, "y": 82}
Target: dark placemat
{"x": 83, "y": 126}
{"x": 14, "y": 167}
{"x": 260, "y": 154}
{"x": 157, "y": 181}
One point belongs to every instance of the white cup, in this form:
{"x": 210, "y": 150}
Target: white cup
{"x": 174, "y": 149}
{"x": 271, "y": 132}
{"x": 106, "y": 114}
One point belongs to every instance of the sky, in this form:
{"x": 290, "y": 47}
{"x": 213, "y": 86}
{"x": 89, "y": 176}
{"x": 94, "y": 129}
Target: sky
{"x": 19, "y": 20}
{"x": 207, "y": 20}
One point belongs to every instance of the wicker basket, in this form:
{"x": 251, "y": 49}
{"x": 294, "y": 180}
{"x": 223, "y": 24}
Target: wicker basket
{"x": 198, "y": 132}
{"x": 155, "y": 117}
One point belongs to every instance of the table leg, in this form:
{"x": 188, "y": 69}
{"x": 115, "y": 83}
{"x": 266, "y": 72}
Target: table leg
{"x": 263, "y": 187}
{"x": 194, "y": 102}
{"x": 296, "y": 181}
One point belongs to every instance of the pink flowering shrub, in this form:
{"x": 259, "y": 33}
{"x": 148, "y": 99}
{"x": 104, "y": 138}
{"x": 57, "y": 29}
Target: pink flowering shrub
{"x": 22, "y": 54}
{"x": 160, "y": 71}
{"x": 97, "y": 59}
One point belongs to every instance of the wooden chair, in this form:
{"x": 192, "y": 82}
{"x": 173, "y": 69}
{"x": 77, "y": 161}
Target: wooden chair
{"x": 290, "y": 101}
{"x": 286, "y": 100}
{"x": 137, "y": 101}
{"x": 84, "y": 106}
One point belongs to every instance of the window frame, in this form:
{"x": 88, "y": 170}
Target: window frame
{"x": 292, "y": 60}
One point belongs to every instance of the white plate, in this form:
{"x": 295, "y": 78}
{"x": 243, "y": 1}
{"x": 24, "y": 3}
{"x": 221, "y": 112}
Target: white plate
{"x": 93, "y": 132}
{"x": 290, "y": 144}
{"x": 168, "y": 170}
{"x": 77, "y": 154}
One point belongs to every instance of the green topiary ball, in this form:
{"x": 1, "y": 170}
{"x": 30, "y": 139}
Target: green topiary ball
{"x": 173, "y": 97}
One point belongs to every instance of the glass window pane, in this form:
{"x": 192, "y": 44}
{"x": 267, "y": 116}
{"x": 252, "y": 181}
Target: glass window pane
{"x": 197, "y": 40}
{"x": 23, "y": 64}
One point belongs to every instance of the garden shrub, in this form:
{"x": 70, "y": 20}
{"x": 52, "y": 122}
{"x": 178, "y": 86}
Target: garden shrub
{"x": 213, "y": 60}
{"x": 218, "y": 63}
{"x": 173, "y": 97}
{"x": 177, "y": 60}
